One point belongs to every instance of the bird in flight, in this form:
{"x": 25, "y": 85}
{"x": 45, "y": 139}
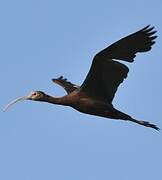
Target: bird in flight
{"x": 96, "y": 94}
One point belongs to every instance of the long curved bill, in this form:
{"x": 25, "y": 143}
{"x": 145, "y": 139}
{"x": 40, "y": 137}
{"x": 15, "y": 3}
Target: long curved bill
{"x": 15, "y": 101}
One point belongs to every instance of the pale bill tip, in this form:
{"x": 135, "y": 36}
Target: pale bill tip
{"x": 13, "y": 102}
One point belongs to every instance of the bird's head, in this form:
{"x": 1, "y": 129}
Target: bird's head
{"x": 34, "y": 96}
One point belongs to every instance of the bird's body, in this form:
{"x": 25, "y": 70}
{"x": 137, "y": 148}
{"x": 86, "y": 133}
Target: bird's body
{"x": 96, "y": 94}
{"x": 85, "y": 104}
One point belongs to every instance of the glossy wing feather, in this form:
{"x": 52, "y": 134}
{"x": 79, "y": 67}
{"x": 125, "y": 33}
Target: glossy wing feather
{"x": 68, "y": 86}
{"x": 106, "y": 75}
{"x": 127, "y": 47}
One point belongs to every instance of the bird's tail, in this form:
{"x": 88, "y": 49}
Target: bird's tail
{"x": 145, "y": 123}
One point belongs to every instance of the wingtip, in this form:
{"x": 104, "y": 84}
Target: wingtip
{"x": 147, "y": 26}
{"x": 148, "y": 29}
{"x": 55, "y": 79}
{"x": 61, "y": 77}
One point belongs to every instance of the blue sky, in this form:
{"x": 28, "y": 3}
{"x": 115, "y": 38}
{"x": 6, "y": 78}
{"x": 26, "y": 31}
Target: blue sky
{"x": 41, "y": 40}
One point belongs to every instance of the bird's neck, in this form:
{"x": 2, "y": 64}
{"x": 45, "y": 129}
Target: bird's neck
{"x": 55, "y": 100}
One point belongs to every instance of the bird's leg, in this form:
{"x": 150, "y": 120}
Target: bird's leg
{"x": 120, "y": 115}
{"x": 145, "y": 123}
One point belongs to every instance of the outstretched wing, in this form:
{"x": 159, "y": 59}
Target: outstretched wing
{"x": 68, "y": 86}
{"x": 106, "y": 75}
{"x": 127, "y": 47}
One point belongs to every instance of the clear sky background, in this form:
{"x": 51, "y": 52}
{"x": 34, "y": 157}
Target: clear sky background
{"x": 41, "y": 40}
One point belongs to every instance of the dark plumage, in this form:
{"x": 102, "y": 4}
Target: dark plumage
{"x": 68, "y": 86}
{"x": 96, "y": 94}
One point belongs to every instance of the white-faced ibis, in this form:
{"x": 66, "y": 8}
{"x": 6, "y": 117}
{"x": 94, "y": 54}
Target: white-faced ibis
{"x": 97, "y": 92}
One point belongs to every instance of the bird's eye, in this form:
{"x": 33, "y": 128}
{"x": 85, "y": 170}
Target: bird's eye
{"x": 34, "y": 94}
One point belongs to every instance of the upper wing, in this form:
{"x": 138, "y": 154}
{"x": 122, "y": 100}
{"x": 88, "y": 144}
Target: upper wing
{"x": 68, "y": 86}
{"x": 127, "y": 47}
{"x": 104, "y": 78}
{"x": 106, "y": 75}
